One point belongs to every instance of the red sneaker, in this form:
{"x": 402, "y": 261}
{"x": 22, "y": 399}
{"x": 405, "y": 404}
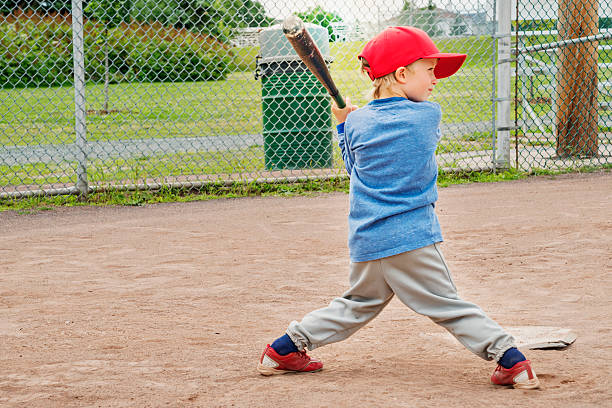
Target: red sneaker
{"x": 521, "y": 375}
{"x": 272, "y": 363}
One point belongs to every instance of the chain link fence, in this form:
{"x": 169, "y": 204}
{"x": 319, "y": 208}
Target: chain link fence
{"x": 115, "y": 94}
{"x": 564, "y": 84}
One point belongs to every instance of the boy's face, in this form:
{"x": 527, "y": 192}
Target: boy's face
{"x": 418, "y": 81}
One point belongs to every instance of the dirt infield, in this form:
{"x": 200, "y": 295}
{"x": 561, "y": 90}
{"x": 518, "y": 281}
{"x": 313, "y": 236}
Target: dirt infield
{"x": 171, "y": 305}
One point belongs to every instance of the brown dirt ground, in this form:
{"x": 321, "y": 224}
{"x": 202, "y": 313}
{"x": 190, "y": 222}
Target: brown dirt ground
{"x": 172, "y": 304}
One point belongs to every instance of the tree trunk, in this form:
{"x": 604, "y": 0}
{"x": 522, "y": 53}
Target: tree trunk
{"x": 577, "y": 105}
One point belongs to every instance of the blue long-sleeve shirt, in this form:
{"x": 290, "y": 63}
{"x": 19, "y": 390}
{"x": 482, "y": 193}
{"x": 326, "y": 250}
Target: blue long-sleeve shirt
{"x": 388, "y": 147}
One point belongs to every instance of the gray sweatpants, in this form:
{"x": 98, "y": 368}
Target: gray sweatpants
{"x": 421, "y": 280}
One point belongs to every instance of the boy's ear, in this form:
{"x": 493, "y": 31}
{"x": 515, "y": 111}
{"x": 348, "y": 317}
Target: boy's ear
{"x": 401, "y": 74}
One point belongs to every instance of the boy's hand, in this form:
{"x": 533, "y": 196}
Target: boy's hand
{"x": 341, "y": 114}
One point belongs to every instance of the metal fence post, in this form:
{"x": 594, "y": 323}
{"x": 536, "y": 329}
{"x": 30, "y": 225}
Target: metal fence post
{"x": 80, "y": 128}
{"x": 503, "y": 35}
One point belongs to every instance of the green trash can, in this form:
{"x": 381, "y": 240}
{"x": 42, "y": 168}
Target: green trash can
{"x": 297, "y": 123}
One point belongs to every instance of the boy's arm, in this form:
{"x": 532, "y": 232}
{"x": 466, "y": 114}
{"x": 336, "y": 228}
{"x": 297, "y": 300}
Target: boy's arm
{"x": 346, "y": 155}
{"x": 341, "y": 115}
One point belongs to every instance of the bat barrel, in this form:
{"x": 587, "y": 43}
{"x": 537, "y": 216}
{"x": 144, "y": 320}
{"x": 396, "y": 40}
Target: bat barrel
{"x": 292, "y": 25}
{"x": 300, "y": 39}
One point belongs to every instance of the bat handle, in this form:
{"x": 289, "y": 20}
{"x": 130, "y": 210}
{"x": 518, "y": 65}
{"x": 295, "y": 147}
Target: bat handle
{"x": 339, "y": 100}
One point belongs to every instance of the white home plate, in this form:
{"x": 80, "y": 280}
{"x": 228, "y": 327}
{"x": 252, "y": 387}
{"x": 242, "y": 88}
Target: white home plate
{"x": 530, "y": 337}
{"x": 542, "y": 337}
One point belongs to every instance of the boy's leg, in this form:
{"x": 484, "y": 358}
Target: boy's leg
{"x": 366, "y": 298}
{"x": 421, "y": 280}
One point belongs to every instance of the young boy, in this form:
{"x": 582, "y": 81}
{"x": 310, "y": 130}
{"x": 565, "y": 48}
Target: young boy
{"x": 388, "y": 147}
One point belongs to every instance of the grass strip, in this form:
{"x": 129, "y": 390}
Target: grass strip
{"x": 251, "y": 189}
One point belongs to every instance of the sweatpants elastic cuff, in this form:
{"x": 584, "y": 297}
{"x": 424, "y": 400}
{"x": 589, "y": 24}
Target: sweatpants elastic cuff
{"x": 502, "y": 350}
{"x": 299, "y": 343}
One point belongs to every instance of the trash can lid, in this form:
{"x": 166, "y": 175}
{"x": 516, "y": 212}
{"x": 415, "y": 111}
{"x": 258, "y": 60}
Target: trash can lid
{"x": 275, "y": 46}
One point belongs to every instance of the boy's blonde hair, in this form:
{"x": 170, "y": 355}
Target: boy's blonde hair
{"x": 380, "y": 84}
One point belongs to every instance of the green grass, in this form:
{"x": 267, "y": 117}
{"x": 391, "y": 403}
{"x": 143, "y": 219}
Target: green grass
{"x": 243, "y": 189}
{"x": 158, "y": 110}
{"x": 136, "y": 169}
{"x": 169, "y": 110}
{"x": 146, "y": 168}
{"x": 474, "y": 141}
{"x": 37, "y": 174}
{"x": 202, "y": 109}
{"x": 226, "y": 107}
{"x": 207, "y": 192}
{"x": 451, "y": 178}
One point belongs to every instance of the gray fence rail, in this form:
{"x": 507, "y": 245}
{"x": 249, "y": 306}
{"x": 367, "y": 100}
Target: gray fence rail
{"x": 120, "y": 94}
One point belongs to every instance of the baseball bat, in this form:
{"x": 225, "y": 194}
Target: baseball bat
{"x": 309, "y": 53}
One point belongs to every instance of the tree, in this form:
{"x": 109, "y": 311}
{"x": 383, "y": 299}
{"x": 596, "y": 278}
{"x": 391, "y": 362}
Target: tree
{"x": 321, "y": 17}
{"x": 430, "y": 20}
{"x": 406, "y": 17}
{"x": 166, "y": 12}
{"x": 40, "y": 6}
{"x": 459, "y": 26}
{"x": 218, "y": 18}
{"x": 248, "y": 13}
{"x": 425, "y": 18}
{"x": 111, "y": 13}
